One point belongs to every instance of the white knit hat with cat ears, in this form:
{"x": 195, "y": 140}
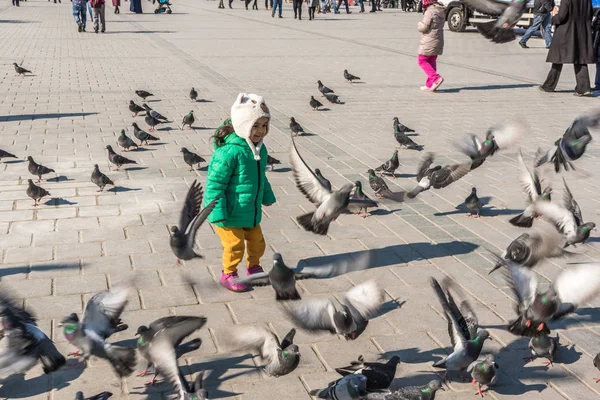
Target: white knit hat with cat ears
{"x": 246, "y": 110}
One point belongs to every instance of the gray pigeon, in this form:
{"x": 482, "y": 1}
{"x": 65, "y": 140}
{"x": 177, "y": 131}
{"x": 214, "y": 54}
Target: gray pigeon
{"x": 473, "y": 203}
{"x": 6, "y": 154}
{"x": 483, "y": 372}
{"x": 404, "y": 141}
{"x": 426, "y": 392}
{"x": 437, "y": 177}
{"x": 359, "y": 201}
{"x": 117, "y": 159}
{"x": 351, "y": 387}
{"x": 543, "y": 346}
{"x": 295, "y": 127}
{"x": 143, "y": 94}
{"x": 467, "y": 340}
{"x": 390, "y": 166}
{"x": 100, "y": 396}
{"x": 324, "y": 181}
{"x": 36, "y": 192}
{"x": 135, "y": 109}
{"x": 125, "y": 141}
{"x": 37, "y": 169}
{"x": 152, "y": 122}
{"x": 378, "y": 185}
{"x": 536, "y": 186}
{"x": 154, "y": 113}
{"x": 315, "y": 104}
{"x": 349, "y": 77}
{"x": 141, "y": 135}
{"x": 500, "y": 30}
{"x": 597, "y": 365}
{"x": 191, "y": 159}
{"x": 400, "y": 127}
{"x": 101, "y": 319}
{"x": 281, "y": 358}
{"x": 99, "y": 179}
{"x": 193, "y": 95}
{"x": 323, "y": 89}
{"x": 20, "y": 70}
{"x": 332, "y": 98}
{"x": 330, "y": 204}
{"x": 272, "y": 161}
{"x": 379, "y": 375}
{"x": 188, "y": 120}
{"x": 349, "y": 319}
{"x": 191, "y": 219}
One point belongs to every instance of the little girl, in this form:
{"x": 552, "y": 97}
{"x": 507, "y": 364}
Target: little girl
{"x": 237, "y": 173}
{"x": 432, "y": 42}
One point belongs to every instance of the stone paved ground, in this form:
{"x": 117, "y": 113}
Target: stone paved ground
{"x": 80, "y": 242}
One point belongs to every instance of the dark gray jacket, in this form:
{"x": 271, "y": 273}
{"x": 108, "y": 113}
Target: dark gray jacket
{"x": 543, "y": 7}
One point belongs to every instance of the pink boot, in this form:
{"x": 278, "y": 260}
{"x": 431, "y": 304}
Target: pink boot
{"x": 230, "y": 282}
{"x": 255, "y": 269}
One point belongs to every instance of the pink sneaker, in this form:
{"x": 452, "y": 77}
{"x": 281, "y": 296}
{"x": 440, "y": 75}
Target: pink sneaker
{"x": 230, "y": 282}
{"x": 437, "y": 84}
{"x": 255, "y": 269}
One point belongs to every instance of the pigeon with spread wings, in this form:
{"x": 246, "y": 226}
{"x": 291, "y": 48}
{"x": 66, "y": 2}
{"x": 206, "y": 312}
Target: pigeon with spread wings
{"x": 509, "y": 13}
{"x": 437, "y": 177}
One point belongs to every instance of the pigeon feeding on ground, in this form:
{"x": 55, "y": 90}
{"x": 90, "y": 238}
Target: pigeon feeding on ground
{"x": 426, "y": 392}
{"x": 400, "y": 127}
{"x": 143, "y": 94}
{"x": 351, "y": 387}
{"x": 379, "y": 375}
{"x": 324, "y": 181}
{"x": 117, "y": 159}
{"x": 158, "y": 341}
{"x": 141, "y": 135}
{"x": 378, "y": 185}
{"x": 281, "y": 358}
{"x": 349, "y": 77}
{"x": 6, "y": 154}
{"x": 467, "y": 340}
{"x": 191, "y": 219}
{"x": 188, "y": 120}
{"x": 437, "y": 177}
{"x": 359, "y": 201}
{"x": 283, "y": 279}
{"x": 135, "y": 109}
{"x": 483, "y": 372}
{"x": 26, "y": 344}
{"x": 405, "y": 141}
{"x": 101, "y": 319}
{"x": 500, "y": 30}
{"x": 154, "y": 113}
{"x": 330, "y": 204}
{"x": 323, "y": 89}
{"x": 543, "y": 346}
{"x": 315, "y": 104}
{"x": 349, "y": 319}
{"x": 100, "y": 396}
{"x": 473, "y": 203}
{"x": 99, "y": 179}
{"x": 36, "y": 192}
{"x": 152, "y": 122}
{"x": 193, "y": 95}
{"x": 390, "y": 166}
{"x": 191, "y": 159}
{"x": 20, "y": 70}
{"x": 37, "y": 169}
{"x": 125, "y": 142}
{"x": 296, "y": 128}
{"x": 272, "y": 161}
{"x": 332, "y": 98}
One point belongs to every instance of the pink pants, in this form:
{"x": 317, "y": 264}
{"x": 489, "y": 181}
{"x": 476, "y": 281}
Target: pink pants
{"x": 428, "y": 65}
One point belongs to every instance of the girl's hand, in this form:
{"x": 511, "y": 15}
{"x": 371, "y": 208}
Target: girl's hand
{"x": 554, "y": 11}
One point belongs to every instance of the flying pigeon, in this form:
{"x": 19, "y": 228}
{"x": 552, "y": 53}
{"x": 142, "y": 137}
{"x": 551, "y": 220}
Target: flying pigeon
{"x": 272, "y": 161}
{"x": 100, "y": 396}
{"x": 330, "y": 204}
{"x": 141, "y": 135}
{"x": 473, "y": 203}
{"x": 99, "y": 179}
{"x": 583, "y": 229}
{"x": 125, "y": 141}
{"x": 188, "y": 120}
{"x": 359, "y": 201}
{"x": 154, "y": 113}
{"x": 135, "y": 109}
{"x": 349, "y": 319}
{"x": 323, "y": 89}
{"x": 283, "y": 279}
{"x": 6, "y": 154}
{"x": 378, "y": 185}
{"x": 349, "y": 77}
{"x": 143, "y": 94}
{"x": 36, "y": 192}
{"x": 191, "y": 159}
{"x": 324, "y": 181}
{"x": 543, "y": 346}
{"x": 400, "y": 127}
{"x": 536, "y": 186}
{"x": 281, "y": 358}
{"x": 437, "y": 177}
{"x": 500, "y": 30}
{"x": 295, "y": 127}
{"x": 191, "y": 219}
{"x": 101, "y": 319}
{"x": 390, "y": 166}
{"x": 117, "y": 159}
{"x": 20, "y": 70}
{"x": 193, "y": 95}
{"x": 315, "y": 104}
{"x": 351, "y": 387}
{"x": 426, "y": 392}
{"x": 332, "y": 98}
{"x": 467, "y": 340}
{"x": 405, "y": 141}
{"x": 379, "y": 375}
{"x": 483, "y": 372}
{"x": 37, "y": 169}
{"x": 152, "y": 122}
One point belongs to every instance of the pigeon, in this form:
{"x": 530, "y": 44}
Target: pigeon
{"x": 158, "y": 341}
{"x": 135, "y": 109}
{"x": 324, "y": 181}
{"x": 6, "y": 154}
{"x": 193, "y": 95}
{"x": 25, "y": 343}
{"x": 473, "y": 203}
{"x": 467, "y": 340}
{"x": 36, "y": 192}
{"x": 281, "y": 358}
{"x": 100, "y": 396}
{"x": 117, "y": 159}
{"x": 272, "y": 161}
{"x": 188, "y": 120}
{"x": 509, "y": 13}
{"x": 349, "y": 319}
{"x": 332, "y": 98}
{"x": 323, "y": 89}
{"x": 378, "y": 185}
{"x": 295, "y": 127}
{"x": 360, "y": 201}
{"x": 379, "y": 375}
{"x": 20, "y": 70}
{"x": 571, "y": 146}
{"x": 191, "y": 219}
{"x": 191, "y": 159}
{"x": 583, "y": 229}
{"x": 597, "y": 365}
{"x": 37, "y": 169}
{"x": 283, "y": 279}
{"x": 543, "y": 346}
{"x": 330, "y": 204}
{"x": 400, "y": 127}
{"x": 141, "y": 135}
{"x": 152, "y": 122}
{"x": 143, "y": 94}
{"x": 315, "y": 104}
{"x": 351, "y": 387}
{"x": 483, "y": 372}
{"x": 101, "y": 319}
{"x": 437, "y": 177}
{"x": 426, "y": 392}
{"x": 536, "y": 186}
{"x": 125, "y": 141}
{"x": 349, "y": 77}
{"x": 405, "y": 141}
{"x": 154, "y": 113}
{"x": 390, "y": 166}
{"x": 99, "y": 179}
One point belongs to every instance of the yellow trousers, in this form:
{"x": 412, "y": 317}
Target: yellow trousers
{"x": 235, "y": 241}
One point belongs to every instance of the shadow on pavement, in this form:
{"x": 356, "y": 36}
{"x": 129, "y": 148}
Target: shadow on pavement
{"x": 26, "y": 117}
{"x": 487, "y": 87}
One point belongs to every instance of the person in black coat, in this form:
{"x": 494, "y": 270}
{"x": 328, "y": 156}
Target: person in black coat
{"x": 596, "y": 41}
{"x": 571, "y": 44}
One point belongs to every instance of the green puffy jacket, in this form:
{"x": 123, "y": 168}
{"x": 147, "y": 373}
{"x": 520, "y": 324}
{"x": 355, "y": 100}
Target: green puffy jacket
{"x": 241, "y": 181}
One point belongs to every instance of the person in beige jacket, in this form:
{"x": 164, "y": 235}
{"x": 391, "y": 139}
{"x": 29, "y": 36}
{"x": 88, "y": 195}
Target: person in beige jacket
{"x": 432, "y": 43}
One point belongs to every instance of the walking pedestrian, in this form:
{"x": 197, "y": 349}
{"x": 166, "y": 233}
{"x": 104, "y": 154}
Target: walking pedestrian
{"x": 135, "y": 6}
{"x": 596, "y": 44}
{"x": 339, "y": 3}
{"x": 361, "y": 3}
{"x": 541, "y": 16}
{"x": 117, "y": 4}
{"x": 98, "y": 8}
{"x": 325, "y": 4}
{"x": 373, "y": 6}
{"x": 276, "y": 4}
{"x": 297, "y": 4}
{"x": 15, "y": 3}
{"x": 313, "y": 5}
{"x": 572, "y": 44}
{"x": 432, "y": 43}
{"x": 79, "y": 7}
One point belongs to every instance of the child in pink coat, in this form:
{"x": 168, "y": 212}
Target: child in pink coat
{"x": 432, "y": 43}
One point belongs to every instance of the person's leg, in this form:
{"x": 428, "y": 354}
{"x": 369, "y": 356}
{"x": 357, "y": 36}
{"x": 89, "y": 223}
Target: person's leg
{"x": 246, "y": 2}
{"x": 280, "y": 3}
{"x": 230, "y": 2}
{"x": 232, "y": 240}
{"x": 255, "y": 5}
{"x": 76, "y": 13}
{"x": 428, "y": 65}
{"x": 552, "y": 78}
{"x": 295, "y": 8}
{"x": 547, "y": 26}
{"x": 582, "y": 76}
{"x": 96, "y": 17}
{"x": 535, "y": 26}
{"x": 361, "y": 3}
{"x": 300, "y": 9}
{"x": 255, "y": 245}
{"x": 102, "y": 18}
{"x": 597, "y": 80}
{"x": 347, "y": 7}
